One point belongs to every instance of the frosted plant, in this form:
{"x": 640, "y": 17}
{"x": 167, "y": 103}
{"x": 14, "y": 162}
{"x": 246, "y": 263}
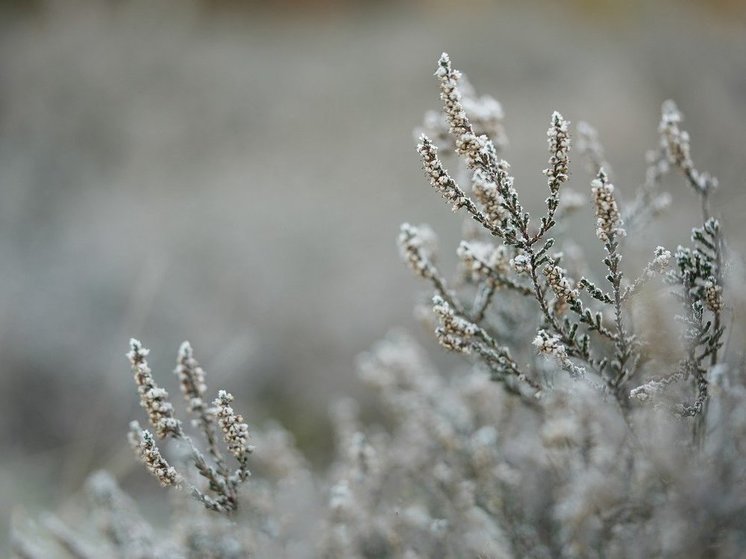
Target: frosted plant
{"x": 572, "y": 435}
{"x": 222, "y": 484}
{"x": 585, "y": 326}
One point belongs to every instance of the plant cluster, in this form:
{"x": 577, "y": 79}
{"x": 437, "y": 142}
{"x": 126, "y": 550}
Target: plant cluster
{"x": 583, "y": 324}
{"x": 575, "y": 433}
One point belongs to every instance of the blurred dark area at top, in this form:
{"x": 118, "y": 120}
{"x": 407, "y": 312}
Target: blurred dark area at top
{"x": 304, "y": 8}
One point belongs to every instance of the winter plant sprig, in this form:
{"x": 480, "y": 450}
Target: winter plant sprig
{"x": 221, "y": 494}
{"x": 583, "y": 324}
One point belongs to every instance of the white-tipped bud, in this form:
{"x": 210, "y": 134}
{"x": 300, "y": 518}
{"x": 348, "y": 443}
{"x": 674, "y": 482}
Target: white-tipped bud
{"x": 143, "y": 444}
{"x": 191, "y": 378}
{"x": 481, "y": 258}
{"x": 521, "y": 263}
{"x": 550, "y": 345}
{"x": 675, "y": 142}
{"x": 417, "y": 246}
{"x": 661, "y": 260}
{"x": 473, "y": 147}
{"x": 559, "y": 145}
{"x": 563, "y": 287}
{"x": 453, "y": 332}
{"x": 235, "y": 431}
{"x": 608, "y": 219}
{"x": 152, "y": 398}
{"x": 437, "y": 174}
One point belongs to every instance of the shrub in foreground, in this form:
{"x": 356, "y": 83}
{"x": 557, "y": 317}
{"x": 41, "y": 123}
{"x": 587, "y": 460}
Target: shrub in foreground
{"x": 581, "y": 429}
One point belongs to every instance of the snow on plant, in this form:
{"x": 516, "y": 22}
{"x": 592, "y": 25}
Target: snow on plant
{"x": 572, "y": 436}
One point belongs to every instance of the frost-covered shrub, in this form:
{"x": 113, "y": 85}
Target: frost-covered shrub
{"x": 576, "y": 433}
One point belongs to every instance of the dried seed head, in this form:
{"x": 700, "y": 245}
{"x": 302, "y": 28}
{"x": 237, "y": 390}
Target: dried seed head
{"x": 661, "y": 260}
{"x": 482, "y": 258}
{"x": 417, "y": 246}
{"x": 153, "y": 398}
{"x": 563, "y": 287}
{"x": 438, "y": 176}
{"x": 454, "y": 332}
{"x": 550, "y": 345}
{"x": 143, "y": 444}
{"x": 191, "y": 377}
{"x": 675, "y": 143}
{"x": 473, "y": 147}
{"x": 488, "y": 195}
{"x": 521, "y": 263}
{"x": 235, "y": 431}
{"x": 608, "y": 220}
{"x": 713, "y": 295}
{"x": 559, "y": 144}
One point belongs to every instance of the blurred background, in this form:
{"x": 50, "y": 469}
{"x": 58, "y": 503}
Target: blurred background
{"x": 234, "y": 173}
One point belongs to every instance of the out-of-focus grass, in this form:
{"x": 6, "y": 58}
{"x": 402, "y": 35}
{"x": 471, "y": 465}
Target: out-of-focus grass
{"x": 238, "y": 180}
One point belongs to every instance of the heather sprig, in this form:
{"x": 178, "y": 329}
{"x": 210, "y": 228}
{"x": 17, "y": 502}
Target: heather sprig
{"x": 221, "y": 494}
{"x": 595, "y": 341}
{"x": 153, "y": 398}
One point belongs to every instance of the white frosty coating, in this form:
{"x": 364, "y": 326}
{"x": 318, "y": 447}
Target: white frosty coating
{"x": 550, "y": 345}
{"x": 481, "y": 258}
{"x": 484, "y": 113}
{"x": 453, "y": 332}
{"x": 143, "y": 443}
{"x": 521, "y": 263}
{"x": 417, "y": 245}
{"x": 658, "y": 265}
{"x": 191, "y": 377}
{"x": 468, "y": 144}
{"x": 608, "y": 219}
{"x": 488, "y": 195}
{"x": 235, "y": 431}
{"x": 152, "y": 398}
{"x": 675, "y": 142}
{"x": 661, "y": 260}
{"x": 563, "y": 287}
{"x": 438, "y": 176}
{"x": 655, "y": 386}
{"x": 559, "y": 144}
